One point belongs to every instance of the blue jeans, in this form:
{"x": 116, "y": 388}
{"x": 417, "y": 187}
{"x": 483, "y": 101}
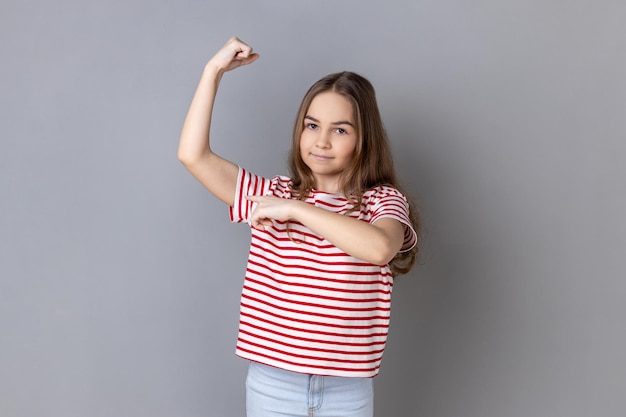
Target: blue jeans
{"x": 274, "y": 392}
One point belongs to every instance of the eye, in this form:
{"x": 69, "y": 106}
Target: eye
{"x": 341, "y": 131}
{"x": 311, "y": 126}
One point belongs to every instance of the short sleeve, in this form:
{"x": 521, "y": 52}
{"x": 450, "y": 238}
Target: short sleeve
{"x": 247, "y": 184}
{"x": 390, "y": 202}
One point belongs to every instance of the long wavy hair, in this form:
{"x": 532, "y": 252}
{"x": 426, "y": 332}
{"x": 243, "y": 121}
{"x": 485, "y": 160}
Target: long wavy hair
{"x": 372, "y": 163}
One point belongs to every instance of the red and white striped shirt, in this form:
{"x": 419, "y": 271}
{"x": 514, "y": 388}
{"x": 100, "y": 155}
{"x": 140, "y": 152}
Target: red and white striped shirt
{"x": 307, "y": 306}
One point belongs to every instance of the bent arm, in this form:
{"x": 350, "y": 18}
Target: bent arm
{"x": 377, "y": 243}
{"x": 217, "y": 174}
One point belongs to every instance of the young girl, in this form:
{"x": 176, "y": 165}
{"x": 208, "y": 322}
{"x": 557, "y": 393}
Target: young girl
{"x": 326, "y": 244}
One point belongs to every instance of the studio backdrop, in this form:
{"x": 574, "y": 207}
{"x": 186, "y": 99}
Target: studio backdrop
{"x": 120, "y": 274}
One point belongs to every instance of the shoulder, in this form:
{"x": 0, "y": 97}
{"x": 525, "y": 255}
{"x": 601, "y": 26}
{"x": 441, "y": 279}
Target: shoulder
{"x": 381, "y": 192}
{"x": 280, "y": 186}
{"x": 258, "y": 184}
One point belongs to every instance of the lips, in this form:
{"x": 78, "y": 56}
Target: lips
{"x": 321, "y": 157}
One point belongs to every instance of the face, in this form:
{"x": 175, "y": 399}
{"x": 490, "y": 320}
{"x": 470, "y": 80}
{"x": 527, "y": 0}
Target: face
{"x": 328, "y": 139}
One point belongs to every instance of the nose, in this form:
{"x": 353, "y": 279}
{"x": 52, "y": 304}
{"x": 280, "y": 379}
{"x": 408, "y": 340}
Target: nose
{"x": 323, "y": 141}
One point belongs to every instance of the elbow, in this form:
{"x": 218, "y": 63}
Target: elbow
{"x": 188, "y": 159}
{"x": 388, "y": 243}
{"x": 382, "y": 258}
{"x": 183, "y": 158}
{"x": 190, "y": 154}
{"x": 384, "y": 254}
{"x": 387, "y": 249}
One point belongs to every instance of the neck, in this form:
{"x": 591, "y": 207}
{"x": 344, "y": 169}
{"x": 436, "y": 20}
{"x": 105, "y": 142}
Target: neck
{"x": 328, "y": 185}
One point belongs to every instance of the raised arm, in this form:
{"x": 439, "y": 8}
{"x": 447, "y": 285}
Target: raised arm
{"x": 217, "y": 174}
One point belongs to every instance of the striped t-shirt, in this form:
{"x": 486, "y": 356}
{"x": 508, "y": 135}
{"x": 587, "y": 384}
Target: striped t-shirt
{"x": 307, "y": 306}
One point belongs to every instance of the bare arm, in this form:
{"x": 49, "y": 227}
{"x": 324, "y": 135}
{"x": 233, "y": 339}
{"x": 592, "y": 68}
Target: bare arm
{"x": 217, "y": 174}
{"x": 376, "y": 243}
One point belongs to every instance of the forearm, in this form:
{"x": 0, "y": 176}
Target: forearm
{"x": 194, "y": 142}
{"x": 374, "y": 243}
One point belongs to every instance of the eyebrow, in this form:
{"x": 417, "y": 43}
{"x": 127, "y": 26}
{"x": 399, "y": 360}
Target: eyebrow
{"x": 341, "y": 122}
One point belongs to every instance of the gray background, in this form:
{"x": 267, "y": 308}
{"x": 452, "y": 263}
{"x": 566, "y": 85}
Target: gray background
{"x": 120, "y": 274}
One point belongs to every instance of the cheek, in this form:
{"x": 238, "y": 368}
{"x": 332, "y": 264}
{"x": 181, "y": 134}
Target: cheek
{"x": 301, "y": 142}
{"x": 306, "y": 140}
{"x": 302, "y": 145}
{"x": 350, "y": 149}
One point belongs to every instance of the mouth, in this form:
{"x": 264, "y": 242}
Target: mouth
{"x": 321, "y": 157}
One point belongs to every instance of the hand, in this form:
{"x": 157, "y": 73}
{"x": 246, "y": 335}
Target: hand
{"x": 270, "y": 208}
{"x": 233, "y": 54}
